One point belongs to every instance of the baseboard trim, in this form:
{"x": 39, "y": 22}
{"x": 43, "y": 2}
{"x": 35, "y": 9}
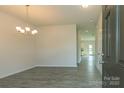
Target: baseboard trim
{"x": 21, "y": 70}
{"x": 55, "y": 66}
{"x": 34, "y": 67}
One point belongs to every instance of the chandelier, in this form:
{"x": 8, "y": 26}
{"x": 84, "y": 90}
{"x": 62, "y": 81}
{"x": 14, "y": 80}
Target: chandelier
{"x": 27, "y": 28}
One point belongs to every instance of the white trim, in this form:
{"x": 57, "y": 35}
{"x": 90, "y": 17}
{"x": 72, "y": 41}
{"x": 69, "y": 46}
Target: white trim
{"x": 21, "y": 70}
{"x": 56, "y": 65}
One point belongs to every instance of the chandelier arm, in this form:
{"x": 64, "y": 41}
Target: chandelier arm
{"x": 27, "y": 13}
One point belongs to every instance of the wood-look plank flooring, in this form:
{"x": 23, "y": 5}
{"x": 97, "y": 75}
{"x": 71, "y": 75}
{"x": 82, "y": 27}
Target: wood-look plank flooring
{"x": 84, "y": 76}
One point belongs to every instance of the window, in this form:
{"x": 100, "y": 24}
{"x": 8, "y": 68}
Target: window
{"x": 90, "y": 49}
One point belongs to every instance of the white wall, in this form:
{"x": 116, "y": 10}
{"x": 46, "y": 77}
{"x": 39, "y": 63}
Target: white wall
{"x": 78, "y": 46}
{"x": 53, "y": 46}
{"x": 99, "y": 44}
{"x": 17, "y": 51}
{"x": 57, "y": 46}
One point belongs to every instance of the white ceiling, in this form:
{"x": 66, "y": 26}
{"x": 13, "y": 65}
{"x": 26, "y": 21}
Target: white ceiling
{"x": 55, "y": 14}
{"x": 40, "y": 15}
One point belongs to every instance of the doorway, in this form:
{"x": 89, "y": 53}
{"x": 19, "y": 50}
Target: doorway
{"x": 90, "y": 48}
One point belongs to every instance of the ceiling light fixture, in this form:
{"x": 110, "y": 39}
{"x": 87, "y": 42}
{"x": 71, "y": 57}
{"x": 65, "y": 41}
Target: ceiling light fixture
{"x": 27, "y": 28}
{"x": 84, "y": 6}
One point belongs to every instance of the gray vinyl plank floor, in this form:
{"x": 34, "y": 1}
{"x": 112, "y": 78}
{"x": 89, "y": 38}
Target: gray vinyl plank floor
{"x": 84, "y": 76}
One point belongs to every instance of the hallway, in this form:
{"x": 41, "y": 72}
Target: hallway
{"x": 85, "y": 76}
{"x": 88, "y": 69}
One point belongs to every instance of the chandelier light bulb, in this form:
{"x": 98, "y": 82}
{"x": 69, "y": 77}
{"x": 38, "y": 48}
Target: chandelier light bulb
{"x": 27, "y": 29}
{"x": 22, "y": 31}
{"x": 18, "y": 28}
{"x": 34, "y": 32}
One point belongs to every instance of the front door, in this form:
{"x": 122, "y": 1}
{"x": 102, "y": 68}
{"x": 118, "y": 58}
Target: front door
{"x": 110, "y": 75}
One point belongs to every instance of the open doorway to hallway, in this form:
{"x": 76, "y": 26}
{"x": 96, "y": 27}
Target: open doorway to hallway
{"x": 87, "y": 46}
{"x": 90, "y": 47}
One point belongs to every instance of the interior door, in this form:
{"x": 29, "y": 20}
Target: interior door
{"x": 110, "y": 75}
{"x": 121, "y": 45}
